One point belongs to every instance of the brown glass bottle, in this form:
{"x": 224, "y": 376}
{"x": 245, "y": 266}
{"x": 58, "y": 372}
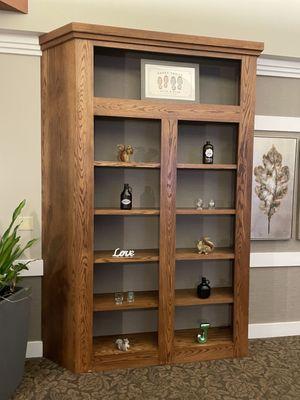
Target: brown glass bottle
{"x": 208, "y": 153}
{"x": 126, "y": 198}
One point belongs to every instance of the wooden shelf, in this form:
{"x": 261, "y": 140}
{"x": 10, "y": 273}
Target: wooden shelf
{"x": 135, "y": 211}
{"x": 119, "y": 164}
{"x": 156, "y": 211}
{"x": 143, "y": 351}
{"x": 219, "y": 253}
{"x": 206, "y": 211}
{"x": 149, "y": 299}
{"x": 188, "y": 297}
{"x": 106, "y": 302}
{"x": 141, "y": 255}
{"x": 207, "y": 166}
{"x": 219, "y": 345}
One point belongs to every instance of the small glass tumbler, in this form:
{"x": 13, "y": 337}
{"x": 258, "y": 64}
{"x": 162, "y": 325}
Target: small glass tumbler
{"x": 130, "y": 297}
{"x": 119, "y": 297}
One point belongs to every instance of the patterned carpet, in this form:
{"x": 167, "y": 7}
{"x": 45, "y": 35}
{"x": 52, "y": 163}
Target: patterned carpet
{"x": 271, "y": 372}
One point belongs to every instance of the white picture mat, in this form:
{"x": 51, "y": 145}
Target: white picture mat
{"x": 153, "y": 70}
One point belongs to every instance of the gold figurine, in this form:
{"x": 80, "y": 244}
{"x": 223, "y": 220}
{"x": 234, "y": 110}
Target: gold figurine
{"x": 205, "y": 246}
{"x": 124, "y": 152}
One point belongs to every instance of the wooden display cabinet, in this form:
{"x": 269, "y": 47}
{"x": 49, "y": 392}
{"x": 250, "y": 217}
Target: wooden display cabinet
{"x": 91, "y": 101}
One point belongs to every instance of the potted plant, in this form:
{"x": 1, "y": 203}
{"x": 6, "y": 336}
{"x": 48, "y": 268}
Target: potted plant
{"x": 14, "y": 308}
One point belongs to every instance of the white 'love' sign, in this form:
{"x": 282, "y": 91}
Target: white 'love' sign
{"x": 123, "y": 253}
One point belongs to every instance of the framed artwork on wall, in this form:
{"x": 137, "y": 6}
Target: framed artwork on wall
{"x": 273, "y": 188}
{"x": 176, "y": 81}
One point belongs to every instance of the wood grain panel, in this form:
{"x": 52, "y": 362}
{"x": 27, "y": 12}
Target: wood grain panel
{"x": 143, "y": 351}
{"x": 134, "y": 211}
{"x": 207, "y": 166}
{"x": 117, "y": 164}
{"x": 67, "y": 147}
{"x": 243, "y": 206}
{"x": 219, "y": 253}
{"x": 152, "y": 38}
{"x": 140, "y": 255}
{"x": 161, "y": 109}
{"x": 188, "y": 297}
{"x": 14, "y": 5}
{"x": 167, "y": 238}
{"x": 106, "y": 301}
{"x": 205, "y": 211}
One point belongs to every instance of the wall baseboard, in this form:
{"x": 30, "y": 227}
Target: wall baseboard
{"x": 34, "y": 349}
{"x": 275, "y": 329}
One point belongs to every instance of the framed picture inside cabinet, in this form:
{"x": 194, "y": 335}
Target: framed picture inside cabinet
{"x": 273, "y": 188}
{"x": 174, "y": 81}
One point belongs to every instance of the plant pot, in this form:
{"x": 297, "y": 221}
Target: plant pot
{"x": 14, "y": 319}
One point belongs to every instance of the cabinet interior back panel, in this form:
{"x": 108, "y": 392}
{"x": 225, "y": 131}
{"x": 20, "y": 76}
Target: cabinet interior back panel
{"x": 110, "y": 278}
{"x": 191, "y": 317}
{"x": 193, "y": 135}
{"x": 189, "y": 273}
{"x": 216, "y": 185}
{"x": 142, "y": 134}
{"x": 134, "y": 232}
{"x": 118, "y": 74}
{"x": 109, "y": 183}
{"x": 130, "y": 321}
{"x": 220, "y": 229}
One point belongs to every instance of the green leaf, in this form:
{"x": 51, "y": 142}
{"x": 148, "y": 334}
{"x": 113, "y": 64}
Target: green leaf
{"x": 11, "y": 251}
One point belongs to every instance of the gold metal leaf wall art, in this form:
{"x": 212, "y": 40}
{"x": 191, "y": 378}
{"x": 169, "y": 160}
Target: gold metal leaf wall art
{"x": 272, "y": 183}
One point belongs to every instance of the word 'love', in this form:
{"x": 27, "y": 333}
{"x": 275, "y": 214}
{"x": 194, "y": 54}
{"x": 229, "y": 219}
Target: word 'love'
{"x": 123, "y": 253}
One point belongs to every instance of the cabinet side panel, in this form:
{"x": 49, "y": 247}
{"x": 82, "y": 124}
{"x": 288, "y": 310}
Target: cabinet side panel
{"x": 67, "y": 181}
{"x": 243, "y": 206}
{"x": 167, "y": 239}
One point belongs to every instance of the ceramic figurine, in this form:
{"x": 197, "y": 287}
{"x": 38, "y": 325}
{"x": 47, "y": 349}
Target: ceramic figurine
{"x": 205, "y": 246}
{"x": 203, "y": 289}
{"x": 199, "y": 205}
{"x": 123, "y": 344}
{"x": 124, "y": 152}
{"x": 212, "y": 204}
{"x": 203, "y": 335}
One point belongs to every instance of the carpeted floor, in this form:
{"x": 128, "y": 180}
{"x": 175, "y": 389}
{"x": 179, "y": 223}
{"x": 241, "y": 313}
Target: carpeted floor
{"x": 271, "y": 372}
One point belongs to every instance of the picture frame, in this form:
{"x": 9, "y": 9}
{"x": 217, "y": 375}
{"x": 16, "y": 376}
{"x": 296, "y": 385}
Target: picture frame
{"x": 169, "y": 81}
{"x": 273, "y": 185}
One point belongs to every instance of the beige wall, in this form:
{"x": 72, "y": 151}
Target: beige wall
{"x": 20, "y": 141}
{"x": 276, "y": 22}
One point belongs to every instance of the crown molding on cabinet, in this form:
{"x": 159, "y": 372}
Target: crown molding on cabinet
{"x": 27, "y": 43}
{"x": 20, "y": 42}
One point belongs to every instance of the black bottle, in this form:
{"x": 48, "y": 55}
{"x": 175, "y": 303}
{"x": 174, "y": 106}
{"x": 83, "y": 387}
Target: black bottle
{"x": 203, "y": 289}
{"x": 208, "y": 153}
{"x": 126, "y": 198}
